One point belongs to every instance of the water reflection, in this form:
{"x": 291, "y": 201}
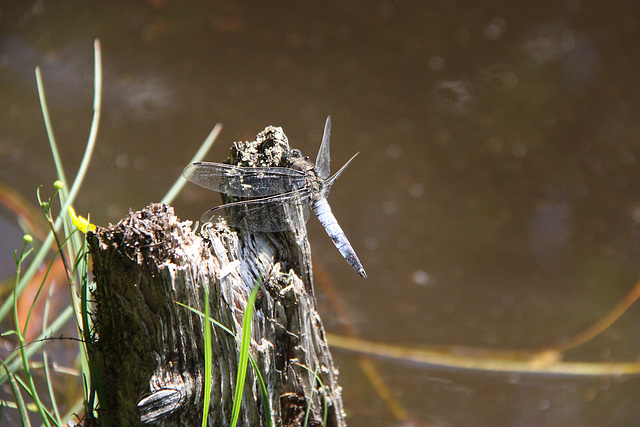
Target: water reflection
{"x": 497, "y": 183}
{"x": 549, "y": 230}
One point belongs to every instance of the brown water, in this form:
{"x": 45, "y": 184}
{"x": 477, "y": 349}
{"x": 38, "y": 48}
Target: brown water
{"x": 495, "y": 202}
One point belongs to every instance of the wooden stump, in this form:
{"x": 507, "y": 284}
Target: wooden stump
{"x": 150, "y": 349}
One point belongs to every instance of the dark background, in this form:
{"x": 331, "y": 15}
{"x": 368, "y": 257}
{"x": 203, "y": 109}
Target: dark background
{"x": 495, "y": 202}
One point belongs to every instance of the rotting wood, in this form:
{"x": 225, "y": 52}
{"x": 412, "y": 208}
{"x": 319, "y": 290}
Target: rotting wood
{"x": 150, "y": 349}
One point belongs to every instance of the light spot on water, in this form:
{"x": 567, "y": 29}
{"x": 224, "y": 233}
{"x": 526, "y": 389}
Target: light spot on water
{"x": 544, "y": 404}
{"x": 509, "y": 80}
{"x": 371, "y": 243}
{"x": 462, "y": 35}
{"x": 519, "y": 150}
{"x": 140, "y": 163}
{"x": 452, "y": 96}
{"x": 494, "y": 29}
{"x": 294, "y": 40}
{"x": 389, "y": 207}
{"x": 386, "y": 10}
{"x": 394, "y": 151}
{"x": 416, "y": 190}
{"x": 421, "y": 277}
{"x": 344, "y": 33}
{"x": 14, "y": 112}
{"x": 495, "y": 144}
{"x": 316, "y": 41}
{"x": 436, "y": 64}
{"x": 122, "y": 161}
{"x": 351, "y": 64}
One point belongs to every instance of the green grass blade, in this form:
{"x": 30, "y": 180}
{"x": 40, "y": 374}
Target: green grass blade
{"x": 201, "y": 314}
{"x": 263, "y": 390}
{"x": 73, "y": 244}
{"x": 263, "y": 386}
{"x": 41, "y": 254}
{"x": 49, "y": 127}
{"x": 68, "y": 196}
{"x": 207, "y": 357}
{"x": 68, "y": 199}
{"x": 244, "y": 355}
{"x": 93, "y": 133}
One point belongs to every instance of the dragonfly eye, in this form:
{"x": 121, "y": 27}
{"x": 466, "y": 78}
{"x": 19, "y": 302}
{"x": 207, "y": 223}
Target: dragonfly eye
{"x": 293, "y": 156}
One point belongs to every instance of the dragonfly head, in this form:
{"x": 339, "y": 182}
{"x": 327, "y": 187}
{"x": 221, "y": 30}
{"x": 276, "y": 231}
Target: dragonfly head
{"x": 295, "y": 160}
{"x": 294, "y": 154}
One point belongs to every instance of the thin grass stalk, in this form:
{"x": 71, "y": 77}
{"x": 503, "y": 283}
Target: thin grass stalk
{"x": 325, "y": 412}
{"x": 263, "y": 390}
{"x": 22, "y": 408}
{"x": 52, "y": 395}
{"x": 313, "y": 389}
{"x": 96, "y": 385}
{"x": 66, "y": 201}
{"x": 59, "y": 252}
{"x": 45, "y": 360}
{"x": 68, "y": 198}
{"x": 49, "y": 420}
{"x": 93, "y": 133}
{"x": 43, "y": 251}
{"x": 30, "y": 385}
{"x": 38, "y": 259}
{"x": 33, "y": 303}
{"x": 71, "y": 242}
{"x": 202, "y": 151}
{"x": 38, "y": 343}
{"x": 55, "y": 326}
{"x": 263, "y": 386}
{"x": 49, "y": 128}
{"x": 208, "y": 370}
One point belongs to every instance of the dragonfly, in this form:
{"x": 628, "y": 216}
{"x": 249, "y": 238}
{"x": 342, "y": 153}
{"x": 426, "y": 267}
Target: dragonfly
{"x": 278, "y": 197}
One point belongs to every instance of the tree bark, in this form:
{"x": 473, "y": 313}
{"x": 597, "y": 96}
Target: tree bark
{"x": 150, "y": 349}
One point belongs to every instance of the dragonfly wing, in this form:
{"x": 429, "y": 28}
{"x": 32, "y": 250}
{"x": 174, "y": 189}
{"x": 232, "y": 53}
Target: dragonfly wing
{"x": 243, "y": 182}
{"x": 270, "y": 214}
{"x": 323, "y": 160}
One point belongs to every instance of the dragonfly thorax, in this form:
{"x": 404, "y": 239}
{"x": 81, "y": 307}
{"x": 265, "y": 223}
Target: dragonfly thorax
{"x": 303, "y": 165}
{"x": 313, "y": 182}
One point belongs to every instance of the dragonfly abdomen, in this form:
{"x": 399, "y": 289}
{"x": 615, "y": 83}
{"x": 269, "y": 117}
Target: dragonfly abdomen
{"x": 325, "y": 216}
